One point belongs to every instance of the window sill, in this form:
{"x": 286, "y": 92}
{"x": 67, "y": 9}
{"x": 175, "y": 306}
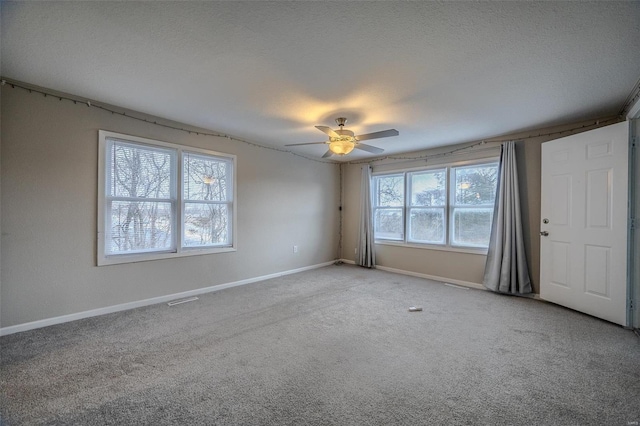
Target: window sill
{"x": 468, "y": 250}
{"x": 144, "y": 257}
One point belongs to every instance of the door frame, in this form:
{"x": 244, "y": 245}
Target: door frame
{"x": 633, "y": 236}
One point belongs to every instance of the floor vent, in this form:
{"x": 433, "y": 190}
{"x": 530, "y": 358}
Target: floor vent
{"x": 179, "y": 301}
{"x": 457, "y": 286}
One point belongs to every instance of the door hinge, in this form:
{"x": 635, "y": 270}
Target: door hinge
{"x": 632, "y": 224}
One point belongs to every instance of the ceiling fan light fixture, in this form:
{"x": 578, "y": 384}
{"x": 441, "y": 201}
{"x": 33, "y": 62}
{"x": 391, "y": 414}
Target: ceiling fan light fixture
{"x": 341, "y": 146}
{"x": 342, "y": 141}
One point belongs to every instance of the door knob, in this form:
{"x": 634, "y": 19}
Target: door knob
{"x": 544, "y": 233}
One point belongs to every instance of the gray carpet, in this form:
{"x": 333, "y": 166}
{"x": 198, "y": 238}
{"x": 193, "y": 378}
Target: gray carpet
{"x": 334, "y": 346}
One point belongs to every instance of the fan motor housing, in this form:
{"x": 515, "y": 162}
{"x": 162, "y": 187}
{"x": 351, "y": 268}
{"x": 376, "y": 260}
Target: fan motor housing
{"x": 344, "y": 132}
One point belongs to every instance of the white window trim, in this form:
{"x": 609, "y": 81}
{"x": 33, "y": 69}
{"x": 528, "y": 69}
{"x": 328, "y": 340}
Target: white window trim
{"x": 457, "y": 249}
{"x": 179, "y": 251}
{"x": 448, "y": 208}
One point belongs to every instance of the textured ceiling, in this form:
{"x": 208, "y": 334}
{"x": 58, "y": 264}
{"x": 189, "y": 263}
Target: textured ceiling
{"x": 267, "y": 72}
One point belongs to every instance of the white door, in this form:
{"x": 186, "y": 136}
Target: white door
{"x": 583, "y": 242}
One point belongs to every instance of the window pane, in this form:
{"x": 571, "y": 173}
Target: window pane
{"x": 139, "y": 172}
{"x": 388, "y": 224}
{"x": 206, "y": 178}
{"x": 140, "y": 226}
{"x": 428, "y": 188}
{"x": 476, "y": 185}
{"x": 206, "y": 224}
{"x": 427, "y": 226}
{"x": 472, "y": 226}
{"x": 389, "y": 191}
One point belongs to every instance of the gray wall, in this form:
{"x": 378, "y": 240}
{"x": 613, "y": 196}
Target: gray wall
{"x": 49, "y": 207}
{"x": 454, "y": 265}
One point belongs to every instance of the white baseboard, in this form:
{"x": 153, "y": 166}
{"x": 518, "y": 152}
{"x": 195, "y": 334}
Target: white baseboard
{"x": 469, "y": 284}
{"x": 427, "y": 276}
{"x": 433, "y": 277}
{"x": 146, "y": 302}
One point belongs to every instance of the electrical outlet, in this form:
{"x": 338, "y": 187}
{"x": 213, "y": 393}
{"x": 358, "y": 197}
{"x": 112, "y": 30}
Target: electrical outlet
{"x": 355, "y": 250}
{"x": 295, "y": 249}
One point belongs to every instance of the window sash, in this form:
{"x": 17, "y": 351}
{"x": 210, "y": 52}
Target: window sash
{"x": 457, "y": 227}
{"x": 228, "y": 228}
{"x": 111, "y": 238}
{"x": 411, "y": 184}
{"x": 227, "y": 196}
{"x": 377, "y": 195}
{"x": 455, "y": 184}
{"x": 441, "y": 212}
{"x": 399, "y": 236}
{"x": 110, "y": 179}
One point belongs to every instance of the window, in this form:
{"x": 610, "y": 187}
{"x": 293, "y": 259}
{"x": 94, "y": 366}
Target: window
{"x": 427, "y": 207}
{"x": 159, "y": 200}
{"x": 472, "y": 205}
{"x": 389, "y": 207}
{"x": 207, "y": 200}
{"x": 448, "y": 206}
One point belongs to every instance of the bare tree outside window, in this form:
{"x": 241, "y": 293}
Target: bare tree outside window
{"x": 207, "y": 194}
{"x": 160, "y": 200}
{"x": 140, "y": 188}
{"x": 388, "y": 207}
{"x": 427, "y": 208}
{"x": 476, "y": 185}
{"x": 475, "y": 193}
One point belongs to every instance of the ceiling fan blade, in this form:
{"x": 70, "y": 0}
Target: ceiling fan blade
{"x": 327, "y": 154}
{"x": 328, "y": 130}
{"x": 369, "y": 148}
{"x": 376, "y": 135}
{"x": 308, "y": 143}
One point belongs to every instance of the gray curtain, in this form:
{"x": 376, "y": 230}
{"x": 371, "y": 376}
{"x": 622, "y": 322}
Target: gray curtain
{"x": 506, "y": 269}
{"x": 366, "y": 253}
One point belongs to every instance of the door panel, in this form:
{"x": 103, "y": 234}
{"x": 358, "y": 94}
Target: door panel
{"x": 598, "y": 208}
{"x": 560, "y": 263}
{"x": 597, "y": 270}
{"x": 561, "y": 200}
{"x": 583, "y": 258}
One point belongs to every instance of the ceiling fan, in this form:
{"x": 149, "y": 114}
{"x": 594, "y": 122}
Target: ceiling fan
{"x": 343, "y": 141}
